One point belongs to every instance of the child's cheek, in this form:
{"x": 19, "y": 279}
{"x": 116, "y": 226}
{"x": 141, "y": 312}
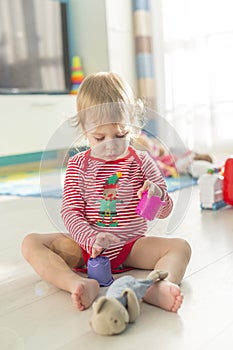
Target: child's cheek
{"x": 98, "y": 148}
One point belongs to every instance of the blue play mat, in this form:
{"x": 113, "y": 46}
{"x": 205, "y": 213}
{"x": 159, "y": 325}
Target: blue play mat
{"x": 50, "y": 184}
{"x": 177, "y": 183}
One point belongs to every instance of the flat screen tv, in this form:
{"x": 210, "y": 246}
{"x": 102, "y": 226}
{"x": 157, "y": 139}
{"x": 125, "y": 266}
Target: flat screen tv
{"x": 34, "y": 47}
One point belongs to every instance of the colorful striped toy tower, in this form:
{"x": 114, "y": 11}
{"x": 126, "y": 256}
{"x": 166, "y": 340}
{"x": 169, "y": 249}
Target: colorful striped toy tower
{"x": 77, "y": 75}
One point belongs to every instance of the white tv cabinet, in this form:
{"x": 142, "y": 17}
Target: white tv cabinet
{"x": 28, "y": 122}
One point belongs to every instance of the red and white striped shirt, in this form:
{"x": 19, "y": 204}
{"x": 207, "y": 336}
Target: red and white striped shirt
{"x": 101, "y": 196}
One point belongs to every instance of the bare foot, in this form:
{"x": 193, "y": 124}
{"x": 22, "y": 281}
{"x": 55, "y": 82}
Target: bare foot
{"x": 164, "y": 294}
{"x": 85, "y": 293}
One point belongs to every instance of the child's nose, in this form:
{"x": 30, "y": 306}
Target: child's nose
{"x": 111, "y": 143}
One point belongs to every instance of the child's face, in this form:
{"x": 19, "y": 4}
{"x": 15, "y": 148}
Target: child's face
{"x": 108, "y": 142}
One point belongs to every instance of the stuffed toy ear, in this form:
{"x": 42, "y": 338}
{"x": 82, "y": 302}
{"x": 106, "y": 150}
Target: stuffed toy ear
{"x": 133, "y": 306}
{"x": 157, "y": 275}
{"x": 98, "y": 305}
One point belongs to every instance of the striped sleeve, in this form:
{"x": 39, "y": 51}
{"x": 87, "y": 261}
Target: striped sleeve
{"x": 73, "y": 205}
{"x": 152, "y": 173}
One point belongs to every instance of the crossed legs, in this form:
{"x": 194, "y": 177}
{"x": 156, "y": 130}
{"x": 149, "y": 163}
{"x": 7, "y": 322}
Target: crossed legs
{"x": 54, "y": 255}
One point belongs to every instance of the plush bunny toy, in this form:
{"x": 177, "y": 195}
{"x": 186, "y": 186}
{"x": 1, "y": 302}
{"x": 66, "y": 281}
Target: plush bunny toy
{"x": 120, "y": 306}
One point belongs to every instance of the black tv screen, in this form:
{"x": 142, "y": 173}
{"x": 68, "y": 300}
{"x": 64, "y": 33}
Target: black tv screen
{"x": 34, "y": 46}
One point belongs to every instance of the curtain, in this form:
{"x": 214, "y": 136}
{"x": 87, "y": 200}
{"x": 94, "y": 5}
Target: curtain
{"x": 145, "y": 58}
{"x": 196, "y": 47}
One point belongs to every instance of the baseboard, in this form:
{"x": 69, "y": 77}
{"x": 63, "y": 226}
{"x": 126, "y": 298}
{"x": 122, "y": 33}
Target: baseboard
{"x": 35, "y": 161}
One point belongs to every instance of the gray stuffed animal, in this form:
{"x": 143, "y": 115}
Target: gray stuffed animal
{"x": 120, "y": 306}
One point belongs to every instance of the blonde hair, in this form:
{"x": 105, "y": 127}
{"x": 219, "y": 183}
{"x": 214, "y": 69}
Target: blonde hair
{"x": 105, "y": 97}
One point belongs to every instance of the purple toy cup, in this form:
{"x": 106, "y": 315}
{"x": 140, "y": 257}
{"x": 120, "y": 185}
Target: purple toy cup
{"x": 99, "y": 268}
{"x": 149, "y": 207}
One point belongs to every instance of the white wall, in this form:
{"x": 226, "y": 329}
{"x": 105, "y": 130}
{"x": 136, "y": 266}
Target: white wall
{"x": 103, "y": 36}
{"x": 89, "y": 34}
{"x": 121, "y": 49}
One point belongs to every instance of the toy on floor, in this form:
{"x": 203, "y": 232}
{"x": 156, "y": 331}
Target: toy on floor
{"x": 99, "y": 268}
{"x": 198, "y": 167}
{"x": 188, "y": 163}
{"x": 211, "y": 189}
{"x": 149, "y": 207}
{"x": 120, "y": 306}
{"x": 216, "y": 187}
{"x": 228, "y": 181}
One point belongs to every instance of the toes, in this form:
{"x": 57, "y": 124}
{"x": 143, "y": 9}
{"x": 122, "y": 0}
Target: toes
{"x": 77, "y": 298}
{"x": 175, "y": 291}
{"x": 165, "y": 295}
{"x": 177, "y": 303}
{"x": 78, "y": 303}
{"x": 178, "y": 298}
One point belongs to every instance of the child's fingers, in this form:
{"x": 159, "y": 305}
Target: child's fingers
{"x": 139, "y": 193}
{"x": 144, "y": 187}
{"x": 104, "y": 239}
{"x": 112, "y": 238}
{"x": 154, "y": 190}
{"x": 151, "y": 190}
{"x": 95, "y": 252}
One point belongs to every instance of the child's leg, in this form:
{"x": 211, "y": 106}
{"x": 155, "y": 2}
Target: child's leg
{"x": 53, "y": 256}
{"x": 169, "y": 254}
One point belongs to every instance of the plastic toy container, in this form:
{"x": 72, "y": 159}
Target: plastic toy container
{"x": 149, "y": 207}
{"x": 228, "y": 181}
{"x": 99, "y": 268}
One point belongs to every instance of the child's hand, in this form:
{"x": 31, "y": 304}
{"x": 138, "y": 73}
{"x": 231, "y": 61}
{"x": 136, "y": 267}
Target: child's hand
{"x": 153, "y": 189}
{"x": 103, "y": 241}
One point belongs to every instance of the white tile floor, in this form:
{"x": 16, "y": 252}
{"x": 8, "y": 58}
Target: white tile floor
{"x": 35, "y": 315}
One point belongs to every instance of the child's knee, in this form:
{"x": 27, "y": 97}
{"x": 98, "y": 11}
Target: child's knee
{"x": 184, "y": 247}
{"x": 27, "y": 245}
{"x": 68, "y": 250}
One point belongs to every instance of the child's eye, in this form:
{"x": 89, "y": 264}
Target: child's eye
{"x": 122, "y": 136}
{"x": 99, "y": 139}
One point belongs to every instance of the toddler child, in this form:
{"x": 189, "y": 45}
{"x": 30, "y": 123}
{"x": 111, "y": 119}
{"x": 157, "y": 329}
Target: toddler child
{"x": 102, "y": 188}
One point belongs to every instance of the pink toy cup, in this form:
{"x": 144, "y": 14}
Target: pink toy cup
{"x": 149, "y": 207}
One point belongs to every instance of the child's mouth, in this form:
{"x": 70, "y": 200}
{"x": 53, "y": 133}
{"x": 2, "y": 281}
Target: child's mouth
{"x": 112, "y": 156}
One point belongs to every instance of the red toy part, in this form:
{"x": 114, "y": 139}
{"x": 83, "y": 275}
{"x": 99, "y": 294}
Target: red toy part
{"x": 228, "y": 181}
